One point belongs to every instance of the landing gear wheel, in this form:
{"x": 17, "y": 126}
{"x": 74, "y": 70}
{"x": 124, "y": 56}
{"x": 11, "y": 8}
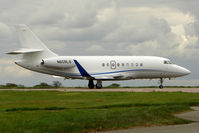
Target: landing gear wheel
{"x": 161, "y": 86}
{"x": 161, "y": 82}
{"x": 99, "y": 84}
{"x": 91, "y": 84}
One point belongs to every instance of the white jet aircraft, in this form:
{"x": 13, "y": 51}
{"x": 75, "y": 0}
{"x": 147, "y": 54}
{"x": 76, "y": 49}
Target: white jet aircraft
{"x": 37, "y": 57}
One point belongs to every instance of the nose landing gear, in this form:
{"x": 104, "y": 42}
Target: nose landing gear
{"x": 161, "y": 82}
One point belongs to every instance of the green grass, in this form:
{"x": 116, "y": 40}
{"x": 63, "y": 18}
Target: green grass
{"x": 51, "y": 111}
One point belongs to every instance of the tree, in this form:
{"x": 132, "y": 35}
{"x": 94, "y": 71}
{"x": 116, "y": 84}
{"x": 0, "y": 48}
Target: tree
{"x": 43, "y": 85}
{"x": 11, "y": 85}
{"x": 114, "y": 85}
{"x": 57, "y": 84}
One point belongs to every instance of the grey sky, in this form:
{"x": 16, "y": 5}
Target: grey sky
{"x": 168, "y": 28}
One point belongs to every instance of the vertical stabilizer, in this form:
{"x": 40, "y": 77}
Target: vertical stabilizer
{"x": 29, "y": 40}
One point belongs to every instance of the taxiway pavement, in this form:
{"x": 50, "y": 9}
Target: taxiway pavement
{"x": 185, "y": 128}
{"x": 190, "y": 90}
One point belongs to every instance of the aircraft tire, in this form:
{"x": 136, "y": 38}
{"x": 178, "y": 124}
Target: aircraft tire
{"x": 161, "y": 86}
{"x": 91, "y": 84}
{"x": 98, "y": 86}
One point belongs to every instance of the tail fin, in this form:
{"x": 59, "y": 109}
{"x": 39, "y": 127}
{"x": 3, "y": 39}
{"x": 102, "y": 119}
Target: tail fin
{"x": 30, "y": 43}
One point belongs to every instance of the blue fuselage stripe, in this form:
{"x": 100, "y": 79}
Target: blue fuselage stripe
{"x": 116, "y": 72}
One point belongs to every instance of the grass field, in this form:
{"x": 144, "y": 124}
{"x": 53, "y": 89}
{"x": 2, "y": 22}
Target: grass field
{"x": 46, "y": 111}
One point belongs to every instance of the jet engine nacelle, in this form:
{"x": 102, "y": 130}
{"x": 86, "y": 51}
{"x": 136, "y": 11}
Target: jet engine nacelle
{"x": 58, "y": 62}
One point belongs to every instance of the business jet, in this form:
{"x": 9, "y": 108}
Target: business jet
{"x": 37, "y": 57}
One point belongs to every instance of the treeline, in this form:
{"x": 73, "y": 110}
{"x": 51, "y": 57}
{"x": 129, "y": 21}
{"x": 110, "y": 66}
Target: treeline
{"x": 55, "y": 84}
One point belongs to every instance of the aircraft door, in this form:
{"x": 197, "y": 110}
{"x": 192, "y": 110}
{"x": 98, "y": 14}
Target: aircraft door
{"x": 113, "y": 64}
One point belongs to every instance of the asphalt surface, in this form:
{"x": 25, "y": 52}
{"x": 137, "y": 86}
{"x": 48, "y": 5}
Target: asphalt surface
{"x": 190, "y": 90}
{"x": 188, "y": 128}
{"x": 185, "y": 128}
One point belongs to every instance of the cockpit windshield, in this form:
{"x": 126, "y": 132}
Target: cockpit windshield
{"x": 167, "y": 62}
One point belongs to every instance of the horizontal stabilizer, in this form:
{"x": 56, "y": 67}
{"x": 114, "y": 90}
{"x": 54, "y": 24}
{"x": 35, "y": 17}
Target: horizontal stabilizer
{"x": 24, "y": 51}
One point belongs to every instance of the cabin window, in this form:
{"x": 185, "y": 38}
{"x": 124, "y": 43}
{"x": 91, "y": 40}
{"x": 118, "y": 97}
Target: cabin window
{"x": 103, "y": 64}
{"x": 132, "y": 64}
{"x": 167, "y": 62}
{"x": 136, "y": 64}
{"x": 122, "y": 64}
{"x": 127, "y": 64}
{"x": 107, "y": 64}
{"x": 118, "y": 64}
{"x": 69, "y": 61}
{"x": 141, "y": 64}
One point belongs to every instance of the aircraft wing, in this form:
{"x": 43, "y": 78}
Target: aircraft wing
{"x": 108, "y": 77}
{"x": 85, "y": 74}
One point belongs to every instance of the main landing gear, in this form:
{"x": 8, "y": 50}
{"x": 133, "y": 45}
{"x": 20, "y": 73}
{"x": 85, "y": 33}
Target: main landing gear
{"x": 161, "y": 82}
{"x": 99, "y": 84}
{"x": 91, "y": 84}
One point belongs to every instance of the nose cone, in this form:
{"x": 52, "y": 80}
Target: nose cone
{"x": 183, "y": 71}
